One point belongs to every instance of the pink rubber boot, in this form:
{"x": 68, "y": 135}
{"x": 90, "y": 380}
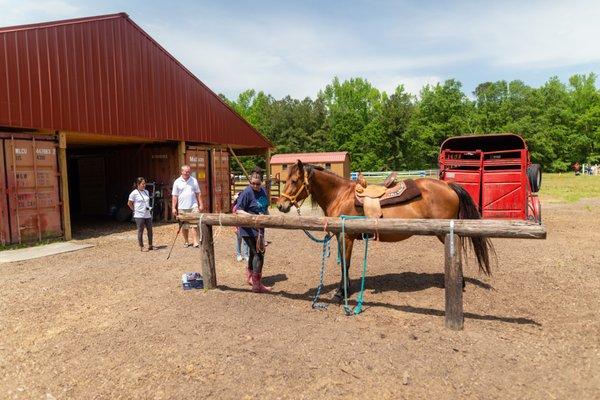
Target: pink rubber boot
{"x": 257, "y": 286}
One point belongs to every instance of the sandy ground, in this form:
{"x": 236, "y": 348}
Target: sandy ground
{"x": 110, "y": 322}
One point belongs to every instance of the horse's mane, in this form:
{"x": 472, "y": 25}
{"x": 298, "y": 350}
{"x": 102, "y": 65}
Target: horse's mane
{"x": 310, "y": 168}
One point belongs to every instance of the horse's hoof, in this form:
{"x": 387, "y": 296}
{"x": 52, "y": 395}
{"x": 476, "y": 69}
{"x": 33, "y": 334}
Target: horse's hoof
{"x": 338, "y": 296}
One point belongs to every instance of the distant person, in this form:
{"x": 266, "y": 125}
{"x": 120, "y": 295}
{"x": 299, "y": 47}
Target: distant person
{"x": 254, "y": 201}
{"x": 186, "y": 199}
{"x": 139, "y": 202}
{"x": 577, "y": 168}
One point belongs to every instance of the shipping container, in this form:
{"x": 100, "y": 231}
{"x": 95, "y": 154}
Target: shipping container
{"x": 4, "y": 227}
{"x": 221, "y": 181}
{"x": 33, "y": 189}
{"x": 197, "y": 159}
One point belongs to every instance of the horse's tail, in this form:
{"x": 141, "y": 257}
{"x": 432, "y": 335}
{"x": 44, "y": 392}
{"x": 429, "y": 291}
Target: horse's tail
{"x": 482, "y": 246}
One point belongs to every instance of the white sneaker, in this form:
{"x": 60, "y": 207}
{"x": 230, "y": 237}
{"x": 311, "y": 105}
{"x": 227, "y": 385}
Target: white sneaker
{"x": 239, "y": 258}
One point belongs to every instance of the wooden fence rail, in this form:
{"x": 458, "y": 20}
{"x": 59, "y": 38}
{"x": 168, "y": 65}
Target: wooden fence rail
{"x": 452, "y": 230}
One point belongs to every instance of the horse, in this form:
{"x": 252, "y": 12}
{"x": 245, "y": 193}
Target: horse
{"x": 336, "y": 196}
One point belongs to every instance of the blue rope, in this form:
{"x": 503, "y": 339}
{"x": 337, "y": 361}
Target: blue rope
{"x": 341, "y": 259}
{"x": 359, "y": 305}
{"x": 326, "y": 241}
{"x": 316, "y": 239}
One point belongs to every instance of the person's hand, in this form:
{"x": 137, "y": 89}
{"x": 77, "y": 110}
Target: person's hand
{"x": 174, "y": 212}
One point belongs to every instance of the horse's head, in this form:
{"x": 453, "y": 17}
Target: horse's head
{"x": 295, "y": 189}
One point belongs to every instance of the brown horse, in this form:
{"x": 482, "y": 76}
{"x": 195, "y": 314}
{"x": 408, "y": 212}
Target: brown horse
{"x": 335, "y": 195}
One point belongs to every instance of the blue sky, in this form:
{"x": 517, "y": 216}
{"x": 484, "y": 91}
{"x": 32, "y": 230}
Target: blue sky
{"x": 296, "y": 48}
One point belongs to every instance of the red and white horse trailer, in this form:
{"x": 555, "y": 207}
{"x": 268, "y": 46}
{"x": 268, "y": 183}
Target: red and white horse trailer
{"x": 497, "y": 172}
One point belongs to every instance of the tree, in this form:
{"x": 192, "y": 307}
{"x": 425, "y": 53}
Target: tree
{"x": 443, "y": 111}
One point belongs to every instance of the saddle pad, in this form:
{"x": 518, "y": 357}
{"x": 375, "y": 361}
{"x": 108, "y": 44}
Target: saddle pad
{"x": 402, "y": 192}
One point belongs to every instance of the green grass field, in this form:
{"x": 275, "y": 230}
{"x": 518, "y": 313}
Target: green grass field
{"x": 568, "y": 188}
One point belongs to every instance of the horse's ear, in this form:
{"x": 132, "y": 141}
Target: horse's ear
{"x": 300, "y": 165}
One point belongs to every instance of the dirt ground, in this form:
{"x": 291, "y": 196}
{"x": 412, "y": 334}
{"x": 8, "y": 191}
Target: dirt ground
{"x": 110, "y": 322}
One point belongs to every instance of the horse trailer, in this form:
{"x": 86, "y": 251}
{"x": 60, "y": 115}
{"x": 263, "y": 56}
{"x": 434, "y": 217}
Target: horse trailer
{"x": 497, "y": 172}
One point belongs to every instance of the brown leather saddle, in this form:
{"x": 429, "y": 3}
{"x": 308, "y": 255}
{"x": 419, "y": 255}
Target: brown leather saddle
{"x": 372, "y": 198}
{"x": 390, "y": 181}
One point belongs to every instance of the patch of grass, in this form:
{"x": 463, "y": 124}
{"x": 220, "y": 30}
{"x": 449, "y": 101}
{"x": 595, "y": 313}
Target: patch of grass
{"x": 569, "y": 188}
{"x": 24, "y": 245}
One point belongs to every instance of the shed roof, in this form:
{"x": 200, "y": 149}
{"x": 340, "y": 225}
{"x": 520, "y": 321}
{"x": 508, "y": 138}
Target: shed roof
{"x": 338, "y": 156}
{"x": 105, "y": 75}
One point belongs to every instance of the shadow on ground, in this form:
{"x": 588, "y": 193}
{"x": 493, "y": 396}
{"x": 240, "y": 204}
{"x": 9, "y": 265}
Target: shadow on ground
{"x": 399, "y": 282}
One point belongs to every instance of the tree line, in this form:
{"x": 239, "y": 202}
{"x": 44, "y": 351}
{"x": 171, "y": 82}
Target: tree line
{"x": 400, "y": 131}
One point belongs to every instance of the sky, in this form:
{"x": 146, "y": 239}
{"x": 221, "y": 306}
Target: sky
{"x": 296, "y": 48}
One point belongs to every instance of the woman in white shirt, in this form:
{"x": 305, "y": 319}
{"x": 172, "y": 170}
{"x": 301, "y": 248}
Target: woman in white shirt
{"x": 139, "y": 202}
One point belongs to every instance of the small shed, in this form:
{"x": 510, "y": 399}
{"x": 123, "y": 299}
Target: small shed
{"x": 337, "y": 162}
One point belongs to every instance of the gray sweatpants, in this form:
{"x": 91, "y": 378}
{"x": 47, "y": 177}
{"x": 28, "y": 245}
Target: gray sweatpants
{"x": 141, "y": 223}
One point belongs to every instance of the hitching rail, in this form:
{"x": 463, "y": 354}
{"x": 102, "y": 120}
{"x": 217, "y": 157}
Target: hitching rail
{"x": 452, "y": 230}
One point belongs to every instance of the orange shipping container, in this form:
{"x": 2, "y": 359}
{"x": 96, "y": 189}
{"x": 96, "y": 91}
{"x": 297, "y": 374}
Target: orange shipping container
{"x": 197, "y": 159}
{"x": 221, "y": 182}
{"x": 33, "y": 189}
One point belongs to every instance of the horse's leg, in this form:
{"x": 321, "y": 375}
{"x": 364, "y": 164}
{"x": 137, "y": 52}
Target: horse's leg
{"x": 339, "y": 293}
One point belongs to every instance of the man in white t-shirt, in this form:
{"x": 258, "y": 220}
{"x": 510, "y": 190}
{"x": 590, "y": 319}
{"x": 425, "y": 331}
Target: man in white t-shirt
{"x": 186, "y": 198}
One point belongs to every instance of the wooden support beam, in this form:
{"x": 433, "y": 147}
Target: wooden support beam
{"x": 426, "y": 227}
{"x": 64, "y": 185}
{"x": 453, "y": 282}
{"x": 239, "y": 163}
{"x": 209, "y": 275}
{"x": 268, "y": 172}
{"x": 181, "y": 153}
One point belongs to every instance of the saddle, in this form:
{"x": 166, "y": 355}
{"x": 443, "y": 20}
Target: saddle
{"x": 372, "y": 198}
{"x": 388, "y": 182}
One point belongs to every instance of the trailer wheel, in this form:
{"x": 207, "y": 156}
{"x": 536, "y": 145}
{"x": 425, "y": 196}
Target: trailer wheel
{"x": 534, "y": 173}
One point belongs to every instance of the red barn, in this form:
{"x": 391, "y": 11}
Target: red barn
{"x": 87, "y": 105}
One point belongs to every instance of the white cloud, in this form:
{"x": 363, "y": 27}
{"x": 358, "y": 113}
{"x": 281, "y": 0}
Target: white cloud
{"x": 281, "y": 58}
{"x": 412, "y": 84}
{"x": 547, "y": 34}
{"x": 298, "y": 49}
{"x": 26, "y": 12}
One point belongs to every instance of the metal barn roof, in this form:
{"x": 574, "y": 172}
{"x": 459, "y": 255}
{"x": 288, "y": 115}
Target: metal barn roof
{"x": 105, "y": 75}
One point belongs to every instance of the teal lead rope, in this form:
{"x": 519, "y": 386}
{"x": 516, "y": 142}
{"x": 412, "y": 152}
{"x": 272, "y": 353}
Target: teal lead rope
{"x": 341, "y": 259}
{"x": 326, "y": 241}
{"x": 359, "y": 303}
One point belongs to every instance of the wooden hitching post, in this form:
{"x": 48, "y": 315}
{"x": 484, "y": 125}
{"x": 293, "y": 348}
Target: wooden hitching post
{"x": 268, "y": 172}
{"x": 209, "y": 274}
{"x": 453, "y": 282}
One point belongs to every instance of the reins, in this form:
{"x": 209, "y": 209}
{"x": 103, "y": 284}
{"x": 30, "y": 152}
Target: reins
{"x": 326, "y": 252}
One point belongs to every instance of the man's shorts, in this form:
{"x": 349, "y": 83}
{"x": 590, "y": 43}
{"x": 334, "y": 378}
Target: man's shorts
{"x": 186, "y": 225}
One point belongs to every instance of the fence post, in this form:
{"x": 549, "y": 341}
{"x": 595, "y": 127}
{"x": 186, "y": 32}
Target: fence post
{"x": 453, "y": 279}
{"x": 209, "y": 274}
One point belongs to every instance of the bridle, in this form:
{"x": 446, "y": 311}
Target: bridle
{"x": 294, "y": 199}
